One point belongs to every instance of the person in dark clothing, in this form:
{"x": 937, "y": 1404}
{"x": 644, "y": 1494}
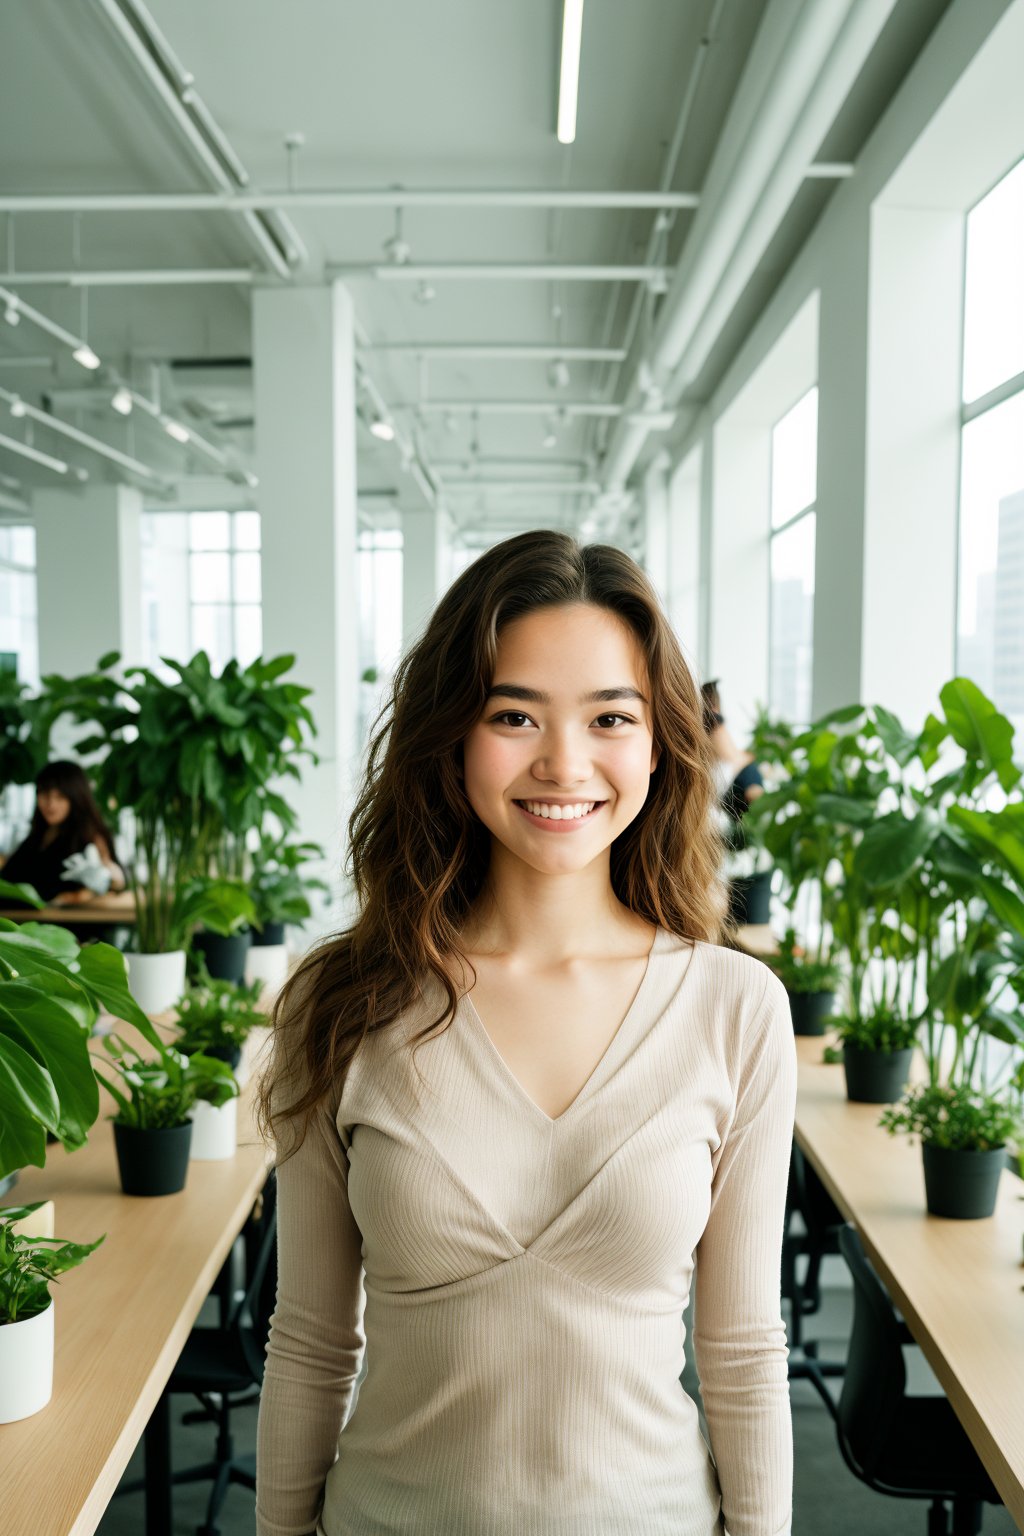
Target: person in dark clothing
{"x": 740, "y": 781}
{"x": 68, "y": 855}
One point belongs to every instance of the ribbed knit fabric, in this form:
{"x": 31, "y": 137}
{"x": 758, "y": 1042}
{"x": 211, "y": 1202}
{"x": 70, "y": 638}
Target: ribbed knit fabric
{"x": 525, "y": 1280}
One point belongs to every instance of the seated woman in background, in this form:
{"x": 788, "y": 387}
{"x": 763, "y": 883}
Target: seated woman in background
{"x": 68, "y": 855}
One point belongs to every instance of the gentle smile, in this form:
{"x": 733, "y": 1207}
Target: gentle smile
{"x": 562, "y": 815}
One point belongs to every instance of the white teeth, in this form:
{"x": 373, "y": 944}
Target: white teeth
{"x": 559, "y": 812}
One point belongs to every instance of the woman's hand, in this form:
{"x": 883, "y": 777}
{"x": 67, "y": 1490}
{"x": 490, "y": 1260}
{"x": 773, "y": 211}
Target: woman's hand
{"x": 72, "y": 898}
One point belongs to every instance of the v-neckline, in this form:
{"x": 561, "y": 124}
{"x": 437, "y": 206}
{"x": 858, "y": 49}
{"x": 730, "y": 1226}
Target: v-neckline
{"x": 553, "y": 1120}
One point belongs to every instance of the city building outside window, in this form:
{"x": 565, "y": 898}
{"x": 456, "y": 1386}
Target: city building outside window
{"x": 990, "y": 595}
{"x": 791, "y": 607}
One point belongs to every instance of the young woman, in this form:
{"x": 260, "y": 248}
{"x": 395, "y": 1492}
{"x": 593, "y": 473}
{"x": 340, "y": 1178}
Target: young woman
{"x": 67, "y": 824}
{"x": 738, "y": 774}
{"x": 520, "y": 1096}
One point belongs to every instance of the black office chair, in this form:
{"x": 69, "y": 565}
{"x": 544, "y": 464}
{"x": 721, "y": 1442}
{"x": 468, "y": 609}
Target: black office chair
{"x": 223, "y": 1367}
{"x": 908, "y": 1447}
{"x": 822, "y": 1220}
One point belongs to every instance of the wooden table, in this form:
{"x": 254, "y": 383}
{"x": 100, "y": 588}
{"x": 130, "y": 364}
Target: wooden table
{"x": 119, "y": 908}
{"x": 958, "y": 1284}
{"x": 121, "y": 1319}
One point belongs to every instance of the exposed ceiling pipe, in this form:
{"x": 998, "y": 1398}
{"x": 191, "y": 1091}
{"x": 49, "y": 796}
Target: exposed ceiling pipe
{"x": 341, "y": 197}
{"x": 511, "y": 351}
{"x": 130, "y": 24}
{"x": 794, "y": 84}
{"x": 517, "y": 407}
{"x": 74, "y": 277}
{"x": 36, "y": 455}
{"x": 515, "y": 271}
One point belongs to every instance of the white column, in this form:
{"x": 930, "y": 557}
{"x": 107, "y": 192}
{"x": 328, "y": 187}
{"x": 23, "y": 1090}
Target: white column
{"x": 304, "y": 386}
{"x": 89, "y": 576}
{"x": 656, "y": 524}
{"x": 423, "y": 568}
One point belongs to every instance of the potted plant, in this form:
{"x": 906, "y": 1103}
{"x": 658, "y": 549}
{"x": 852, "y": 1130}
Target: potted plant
{"x": 963, "y": 1131}
{"x": 811, "y": 982}
{"x": 877, "y": 1049}
{"x": 279, "y": 888}
{"x": 51, "y": 993}
{"x": 194, "y": 762}
{"x": 216, "y": 1018}
{"x": 224, "y": 909}
{"x": 152, "y": 1125}
{"x": 28, "y": 1265}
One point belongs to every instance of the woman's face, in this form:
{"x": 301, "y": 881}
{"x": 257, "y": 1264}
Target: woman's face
{"x": 560, "y": 761}
{"x": 54, "y": 807}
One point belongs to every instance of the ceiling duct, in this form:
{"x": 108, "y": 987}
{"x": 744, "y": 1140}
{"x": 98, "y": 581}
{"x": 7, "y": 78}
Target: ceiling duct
{"x": 803, "y": 64}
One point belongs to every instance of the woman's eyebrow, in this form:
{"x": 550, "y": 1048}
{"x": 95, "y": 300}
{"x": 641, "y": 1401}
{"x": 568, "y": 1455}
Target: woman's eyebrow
{"x": 534, "y": 696}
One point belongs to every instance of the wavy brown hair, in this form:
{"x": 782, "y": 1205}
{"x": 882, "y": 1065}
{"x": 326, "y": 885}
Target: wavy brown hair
{"x": 418, "y": 853}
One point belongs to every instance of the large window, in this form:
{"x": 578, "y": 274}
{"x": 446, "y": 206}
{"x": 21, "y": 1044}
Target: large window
{"x": 19, "y": 635}
{"x": 379, "y": 576}
{"x": 201, "y": 586}
{"x": 794, "y": 489}
{"x": 990, "y": 619}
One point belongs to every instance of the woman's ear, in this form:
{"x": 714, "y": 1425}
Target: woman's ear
{"x": 655, "y": 757}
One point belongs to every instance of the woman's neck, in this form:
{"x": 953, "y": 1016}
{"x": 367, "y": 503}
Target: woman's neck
{"x": 546, "y": 920}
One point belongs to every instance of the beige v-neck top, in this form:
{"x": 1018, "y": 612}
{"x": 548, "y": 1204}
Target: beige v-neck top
{"x": 524, "y": 1281}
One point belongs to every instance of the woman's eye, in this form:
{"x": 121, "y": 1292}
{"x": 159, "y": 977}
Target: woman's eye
{"x": 510, "y": 717}
{"x": 619, "y": 719}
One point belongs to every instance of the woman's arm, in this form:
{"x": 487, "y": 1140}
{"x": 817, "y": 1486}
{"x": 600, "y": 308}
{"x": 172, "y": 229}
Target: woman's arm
{"x": 739, "y": 1338}
{"x": 117, "y": 878}
{"x": 316, "y": 1334}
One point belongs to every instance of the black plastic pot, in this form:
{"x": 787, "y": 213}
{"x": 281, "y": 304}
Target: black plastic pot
{"x": 224, "y": 956}
{"x": 270, "y": 933}
{"x": 810, "y": 1011}
{"x": 876, "y": 1077}
{"x": 750, "y": 899}
{"x": 961, "y": 1184}
{"x": 153, "y": 1162}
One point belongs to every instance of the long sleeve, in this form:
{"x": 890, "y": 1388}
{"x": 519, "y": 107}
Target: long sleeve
{"x": 316, "y": 1334}
{"x": 739, "y": 1337}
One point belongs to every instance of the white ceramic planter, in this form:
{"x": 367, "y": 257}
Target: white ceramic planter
{"x": 267, "y": 963}
{"x": 157, "y": 981}
{"x": 214, "y": 1131}
{"x": 26, "y": 1366}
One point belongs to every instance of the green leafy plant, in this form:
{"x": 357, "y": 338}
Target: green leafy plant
{"x": 953, "y": 1115}
{"x": 28, "y": 1265}
{"x": 799, "y": 973}
{"x": 218, "y": 1015}
{"x": 277, "y": 887}
{"x": 196, "y": 762}
{"x": 158, "y": 1094}
{"x": 881, "y": 1030}
{"x": 222, "y": 906}
{"x": 51, "y": 994}
{"x": 24, "y": 738}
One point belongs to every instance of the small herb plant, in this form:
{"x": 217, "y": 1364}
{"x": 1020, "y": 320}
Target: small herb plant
{"x": 799, "y": 974}
{"x": 880, "y": 1030}
{"x": 956, "y": 1116}
{"x": 157, "y": 1095}
{"x": 218, "y": 1015}
{"x": 277, "y": 887}
{"x": 28, "y": 1264}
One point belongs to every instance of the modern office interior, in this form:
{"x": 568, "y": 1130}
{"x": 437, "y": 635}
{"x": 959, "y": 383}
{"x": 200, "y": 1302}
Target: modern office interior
{"x": 303, "y": 307}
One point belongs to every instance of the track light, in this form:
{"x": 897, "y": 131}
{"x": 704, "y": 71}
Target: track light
{"x": 424, "y": 292}
{"x": 17, "y": 407}
{"x": 85, "y": 355}
{"x": 383, "y": 429}
{"x": 558, "y": 374}
{"x": 569, "y": 75}
{"x": 550, "y": 438}
{"x": 11, "y": 314}
{"x": 175, "y": 429}
{"x": 121, "y": 401}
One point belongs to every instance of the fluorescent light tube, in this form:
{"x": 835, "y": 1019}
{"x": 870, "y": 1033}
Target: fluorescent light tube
{"x": 85, "y": 355}
{"x": 569, "y": 78}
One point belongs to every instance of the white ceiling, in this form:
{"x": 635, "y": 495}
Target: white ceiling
{"x": 420, "y": 93}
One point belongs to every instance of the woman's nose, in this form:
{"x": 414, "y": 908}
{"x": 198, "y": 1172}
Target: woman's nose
{"x": 563, "y": 758}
